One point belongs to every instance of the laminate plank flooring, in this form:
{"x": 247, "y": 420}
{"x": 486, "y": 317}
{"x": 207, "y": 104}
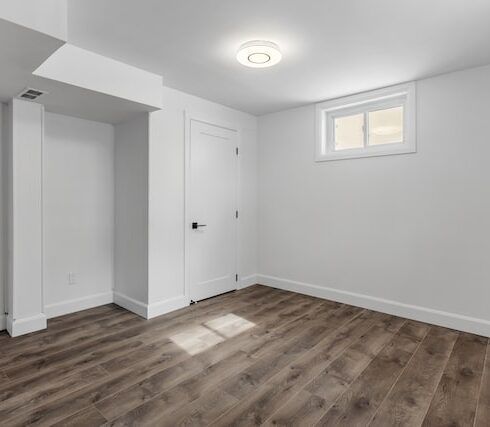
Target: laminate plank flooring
{"x": 258, "y": 356}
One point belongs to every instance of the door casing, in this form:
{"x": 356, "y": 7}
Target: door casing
{"x": 213, "y": 121}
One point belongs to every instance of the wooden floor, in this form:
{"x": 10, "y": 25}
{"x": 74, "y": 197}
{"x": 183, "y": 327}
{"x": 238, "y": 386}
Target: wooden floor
{"x": 259, "y": 356}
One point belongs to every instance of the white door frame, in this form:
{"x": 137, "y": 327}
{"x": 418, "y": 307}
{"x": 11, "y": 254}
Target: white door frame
{"x": 203, "y": 118}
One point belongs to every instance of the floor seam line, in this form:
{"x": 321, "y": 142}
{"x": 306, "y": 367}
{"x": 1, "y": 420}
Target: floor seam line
{"x": 97, "y": 409}
{"x": 302, "y": 389}
{"x": 367, "y": 366}
{"x": 480, "y": 387}
{"x": 362, "y": 310}
{"x": 440, "y": 377}
{"x": 398, "y": 377}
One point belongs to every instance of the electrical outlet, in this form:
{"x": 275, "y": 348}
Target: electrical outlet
{"x": 72, "y": 279}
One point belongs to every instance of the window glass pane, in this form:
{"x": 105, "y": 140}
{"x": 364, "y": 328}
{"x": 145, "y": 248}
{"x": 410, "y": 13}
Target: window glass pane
{"x": 386, "y": 126}
{"x": 349, "y": 132}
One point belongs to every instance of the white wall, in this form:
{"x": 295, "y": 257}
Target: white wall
{"x": 131, "y": 211}
{"x": 3, "y": 228}
{"x": 47, "y": 16}
{"x": 78, "y": 213}
{"x": 167, "y": 184}
{"x": 411, "y": 229}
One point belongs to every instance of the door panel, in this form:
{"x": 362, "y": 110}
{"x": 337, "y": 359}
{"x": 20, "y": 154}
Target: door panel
{"x": 213, "y": 163}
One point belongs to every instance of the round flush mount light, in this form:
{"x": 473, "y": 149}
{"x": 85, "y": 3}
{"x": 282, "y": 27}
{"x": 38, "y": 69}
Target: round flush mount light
{"x": 259, "y": 54}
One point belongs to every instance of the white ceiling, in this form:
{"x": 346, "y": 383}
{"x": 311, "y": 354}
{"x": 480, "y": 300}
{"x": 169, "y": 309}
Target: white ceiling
{"x": 330, "y": 47}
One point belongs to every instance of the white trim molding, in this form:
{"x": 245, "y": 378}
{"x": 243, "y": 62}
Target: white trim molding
{"x": 149, "y": 311}
{"x": 78, "y": 304}
{"x": 414, "y": 312}
{"x": 247, "y": 281}
{"x": 328, "y": 112}
{"x": 26, "y": 325}
{"x": 166, "y": 306}
{"x": 196, "y": 116}
{"x": 131, "y": 304}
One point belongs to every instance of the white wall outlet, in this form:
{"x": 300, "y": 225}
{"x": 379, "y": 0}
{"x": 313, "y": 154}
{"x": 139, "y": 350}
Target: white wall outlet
{"x": 72, "y": 279}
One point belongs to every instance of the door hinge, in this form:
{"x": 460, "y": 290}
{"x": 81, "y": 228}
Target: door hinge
{"x": 236, "y": 150}
{"x": 236, "y": 214}
{"x": 236, "y": 277}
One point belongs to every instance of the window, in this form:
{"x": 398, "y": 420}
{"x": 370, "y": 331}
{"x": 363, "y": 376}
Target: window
{"x": 375, "y": 123}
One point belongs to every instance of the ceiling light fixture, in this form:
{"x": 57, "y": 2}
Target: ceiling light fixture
{"x": 259, "y": 54}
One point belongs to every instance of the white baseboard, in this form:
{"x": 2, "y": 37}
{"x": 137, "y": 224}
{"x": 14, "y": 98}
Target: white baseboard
{"x": 131, "y": 304}
{"x": 166, "y": 306}
{"x": 247, "y": 281}
{"x": 16, "y": 327}
{"x": 148, "y": 311}
{"x": 422, "y": 314}
{"x": 72, "y": 306}
{"x": 3, "y": 322}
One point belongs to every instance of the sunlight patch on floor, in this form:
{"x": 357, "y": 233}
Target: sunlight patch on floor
{"x": 199, "y": 338}
{"x": 229, "y": 325}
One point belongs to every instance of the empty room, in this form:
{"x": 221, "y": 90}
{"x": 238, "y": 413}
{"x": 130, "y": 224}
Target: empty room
{"x": 245, "y": 213}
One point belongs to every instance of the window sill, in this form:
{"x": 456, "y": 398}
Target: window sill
{"x": 359, "y": 154}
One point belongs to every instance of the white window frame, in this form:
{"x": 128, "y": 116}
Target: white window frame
{"x": 394, "y": 96}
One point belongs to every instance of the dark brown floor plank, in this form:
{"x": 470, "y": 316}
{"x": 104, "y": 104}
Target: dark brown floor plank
{"x": 164, "y": 354}
{"x": 269, "y": 364}
{"x": 255, "y": 356}
{"x": 259, "y": 406}
{"x": 173, "y": 355}
{"x": 360, "y": 401}
{"x": 205, "y": 411}
{"x": 3, "y": 378}
{"x": 43, "y": 383}
{"x": 38, "y": 349}
{"x": 292, "y": 347}
{"x": 161, "y": 398}
{"x": 263, "y": 342}
{"x": 88, "y": 417}
{"x": 81, "y": 355}
{"x": 200, "y": 412}
{"x": 483, "y": 409}
{"x": 73, "y": 319}
{"x": 303, "y": 409}
{"x": 52, "y": 412}
{"x": 233, "y": 345}
{"x": 409, "y": 399}
{"x": 71, "y": 325}
{"x": 154, "y": 351}
{"x": 333, "y": 381}
{"x": 272, "y": 330}
{"x": 132, "y": 329}
{"x": 455, "y": 400}
{"x": 53, "y": 334}
{"x": 24, "y": 399}
{"x": 20, "y": 346}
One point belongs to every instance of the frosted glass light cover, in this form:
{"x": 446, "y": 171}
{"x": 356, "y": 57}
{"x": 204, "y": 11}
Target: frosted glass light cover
{"x": 259, "y": 54}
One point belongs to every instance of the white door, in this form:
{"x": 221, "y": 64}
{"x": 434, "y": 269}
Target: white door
{"x": 213, "y": 210}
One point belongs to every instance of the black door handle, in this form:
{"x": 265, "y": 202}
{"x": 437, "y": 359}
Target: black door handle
{"x": 195, "y": 225}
